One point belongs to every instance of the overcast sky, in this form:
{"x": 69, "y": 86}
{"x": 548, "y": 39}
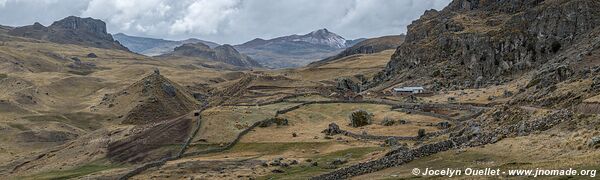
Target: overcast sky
{"x": 227, "y": 21}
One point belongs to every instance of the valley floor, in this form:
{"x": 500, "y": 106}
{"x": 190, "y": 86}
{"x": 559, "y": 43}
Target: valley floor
{"x": 60, "y": 124}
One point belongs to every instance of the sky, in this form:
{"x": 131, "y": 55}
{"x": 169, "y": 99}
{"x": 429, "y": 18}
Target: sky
{"x": 227, "y": 21}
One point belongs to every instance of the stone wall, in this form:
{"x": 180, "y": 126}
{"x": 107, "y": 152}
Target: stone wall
{"x": 334, "y": 129}
{"x": 470, "y": 137}
{"x": 393, "y": 159}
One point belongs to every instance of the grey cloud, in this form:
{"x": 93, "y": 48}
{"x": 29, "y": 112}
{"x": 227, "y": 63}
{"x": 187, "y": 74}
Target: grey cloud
{"x": 228, "y": 21}
{"x": 26, "y": 12}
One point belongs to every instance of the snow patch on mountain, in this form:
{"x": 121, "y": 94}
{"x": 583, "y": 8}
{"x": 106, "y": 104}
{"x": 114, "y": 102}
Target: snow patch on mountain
{"x": 323, "y": 37}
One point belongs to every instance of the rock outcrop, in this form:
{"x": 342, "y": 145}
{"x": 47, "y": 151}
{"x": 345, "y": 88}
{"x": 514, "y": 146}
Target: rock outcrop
{"x": 488, "y": 40}
{"x": 224, "y": 53}
{"x": 71, "y": 30}
{"x": 347, "y": 85}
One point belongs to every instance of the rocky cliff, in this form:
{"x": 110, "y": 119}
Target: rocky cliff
{"x": 71, "y": 30}
{"x": 474, "y": 43}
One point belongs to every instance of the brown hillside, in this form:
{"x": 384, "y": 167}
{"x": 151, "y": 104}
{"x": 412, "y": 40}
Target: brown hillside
{"x": 152, "y": 99}
{"x": 369, "y": 46}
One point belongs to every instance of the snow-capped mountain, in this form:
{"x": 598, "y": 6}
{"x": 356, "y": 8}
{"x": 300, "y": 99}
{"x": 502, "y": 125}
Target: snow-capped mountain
{"x": 323, "y": 37}
{"x": 295, "y": 50}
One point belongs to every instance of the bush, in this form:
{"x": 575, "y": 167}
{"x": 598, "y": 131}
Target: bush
{"x": 421, "y": 133}
{"x": 387, "y": 121}
{"x": 360, "y": 118}
{"x": 280, "y": 121}
{"x": 2, "y": 76}
{"x": 277, "y": 120}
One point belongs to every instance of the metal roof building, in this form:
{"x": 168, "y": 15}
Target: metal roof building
{"x": 414, "y": 90}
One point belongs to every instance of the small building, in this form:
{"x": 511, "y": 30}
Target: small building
{"x": 409, "y": 90}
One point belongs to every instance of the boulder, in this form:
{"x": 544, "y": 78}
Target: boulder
{"x": 169, "y": 89}
{"x": 347, "y": 85}
{"x": 338, "y": 161}
{"x": 391, "y": 142}
{"x": 277, "y": 171}
{"x": 92, "y": 55}
{"x": 332, "y": 129}
{"x": 443, "y": 125}
{"x": 594, "y": 142}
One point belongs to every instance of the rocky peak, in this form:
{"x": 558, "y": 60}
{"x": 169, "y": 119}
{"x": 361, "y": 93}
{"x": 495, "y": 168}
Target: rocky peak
{"x": 38, "y": 26}
{"x": 324, "y": 37}
{"x": 81, "y": 24}
{"x": 192, "y": 46}
{"x": 321, "y": 32}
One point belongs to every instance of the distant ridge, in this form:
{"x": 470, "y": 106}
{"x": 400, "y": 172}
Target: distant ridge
{"x": 224, "y": 53}
{"x": 155, "y": 47}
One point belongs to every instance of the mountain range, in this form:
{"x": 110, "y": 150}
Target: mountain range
{"x": 280, "y": 52}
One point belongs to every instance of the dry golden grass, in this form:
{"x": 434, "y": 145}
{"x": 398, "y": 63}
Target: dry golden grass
{"x": 310, "y": 120}
{"x": 478, "y": 96}
{"x": 549, "y": 150}
{"x": 476, "y": 24}
{"x": 222, "y": 124}
{"x": 367, "y": 65}
{"x": 595, "y": 99}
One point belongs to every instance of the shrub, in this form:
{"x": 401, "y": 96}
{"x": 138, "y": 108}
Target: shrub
{"x": 387, "y": 121}
{"x": 360, "y": 118}
{"x": 421, "y": 133}
{"x": 277, "y": 120}
{"x": 280, "y": 121}
{"x": 2, "y": 76}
